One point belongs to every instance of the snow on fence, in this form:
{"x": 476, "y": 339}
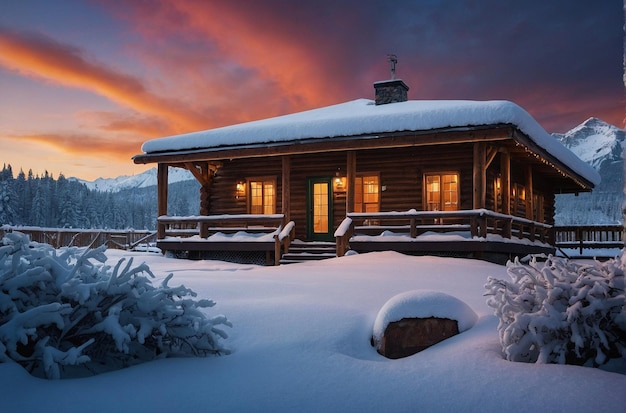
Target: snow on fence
{"x": 591, "y": 237}
{"x": 75, "y": 237}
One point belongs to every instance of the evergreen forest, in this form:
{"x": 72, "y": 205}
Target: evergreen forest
{"x": 43, "y": 201}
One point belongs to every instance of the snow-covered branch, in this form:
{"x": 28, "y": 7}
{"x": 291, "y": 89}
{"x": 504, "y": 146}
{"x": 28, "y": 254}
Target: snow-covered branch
{"x": 561, "y": 311}
{"x": 64, "y": 312}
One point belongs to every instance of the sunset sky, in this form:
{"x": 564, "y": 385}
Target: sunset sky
{"x": 83, "y": 83}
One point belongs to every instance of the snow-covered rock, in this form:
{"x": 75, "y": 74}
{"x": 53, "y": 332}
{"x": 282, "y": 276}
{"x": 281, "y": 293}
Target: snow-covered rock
{"x": 423, "y": 304}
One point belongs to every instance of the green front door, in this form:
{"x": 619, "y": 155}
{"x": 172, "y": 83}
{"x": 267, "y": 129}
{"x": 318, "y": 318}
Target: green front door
{"x": 320, "y": 209}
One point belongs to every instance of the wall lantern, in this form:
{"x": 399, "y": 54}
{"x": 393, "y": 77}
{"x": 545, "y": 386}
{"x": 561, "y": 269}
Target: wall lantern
{"x": 240, "y": 190}
{"x": 340, "y": 183}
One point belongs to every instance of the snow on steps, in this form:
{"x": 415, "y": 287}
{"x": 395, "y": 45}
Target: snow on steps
{"x": 300, "y": 251}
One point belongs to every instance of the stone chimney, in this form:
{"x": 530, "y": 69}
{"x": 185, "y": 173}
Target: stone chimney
{"x": 390, "y": 91}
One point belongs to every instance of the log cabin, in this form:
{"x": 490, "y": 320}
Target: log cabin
{"x": 461, "y": 178}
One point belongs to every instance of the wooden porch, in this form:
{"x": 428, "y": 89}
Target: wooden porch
{"x": 478, "y": 233}
{"x": 194, "y": 236}
{"x": 473, "y": 233}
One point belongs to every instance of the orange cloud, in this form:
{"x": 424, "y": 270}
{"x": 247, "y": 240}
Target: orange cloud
{"x": 136, "y": 124}
{"x": 298, "y": 68}
{"x": 83, "y": 145}
{"x": 40, "y": 56}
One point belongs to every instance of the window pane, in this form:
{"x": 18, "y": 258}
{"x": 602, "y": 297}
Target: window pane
{"x": 442, "y": 192}
{"x": 450, "y": 192}
{"x": 256, "y": 197}
{"x": 262, "y": 197}
{"x": 366, "y": 194}
{"x": 268, "y": 197}
{"x": 433, "y": 193}
{"x": 320, "y": 207}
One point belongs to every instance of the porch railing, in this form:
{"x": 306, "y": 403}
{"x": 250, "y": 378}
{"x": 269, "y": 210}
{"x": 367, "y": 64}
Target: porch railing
{"x": 478, "y": 222}
{"x": 203, "y": 227}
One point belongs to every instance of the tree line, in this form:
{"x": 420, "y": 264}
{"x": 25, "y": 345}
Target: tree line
{"x": 43, "y": 201}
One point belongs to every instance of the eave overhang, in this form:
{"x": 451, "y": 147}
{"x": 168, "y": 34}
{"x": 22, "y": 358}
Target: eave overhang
{"x": 333, "y": 144}
{"x": 467, "y": 134}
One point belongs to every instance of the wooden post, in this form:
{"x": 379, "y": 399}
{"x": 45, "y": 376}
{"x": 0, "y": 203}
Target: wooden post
{"x": 530, "y": 214}
{"x": 505, "y": 182}
{"x": 480, "y": 175}
{"x": 161, "y": 197}
{"x": 351, "y": 180}
{"x": 286, "y": 192}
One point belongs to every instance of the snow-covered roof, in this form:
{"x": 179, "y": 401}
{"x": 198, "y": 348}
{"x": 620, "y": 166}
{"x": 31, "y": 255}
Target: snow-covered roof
{"x": 362, "y": 117}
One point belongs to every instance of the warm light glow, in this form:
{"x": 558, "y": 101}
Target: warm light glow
{"x": 340, "y": 184}
{"x": 442, "y": 193}
{"x": 262, "y": 196}
{"x": 240, "y": 189}
{"x": 320, "y": 208}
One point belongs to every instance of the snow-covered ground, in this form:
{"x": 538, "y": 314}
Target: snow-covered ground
{"x": 301, "y": 343}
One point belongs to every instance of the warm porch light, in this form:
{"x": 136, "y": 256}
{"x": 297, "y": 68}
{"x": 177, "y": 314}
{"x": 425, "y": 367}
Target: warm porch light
{"x": 240, "y": 190}
{"x": 340, "y": 183}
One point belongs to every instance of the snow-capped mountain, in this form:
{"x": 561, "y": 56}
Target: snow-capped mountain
{"x": 601, "y": 145}
{"x": 595, "y": 141}
{"x": 142, "y": 180}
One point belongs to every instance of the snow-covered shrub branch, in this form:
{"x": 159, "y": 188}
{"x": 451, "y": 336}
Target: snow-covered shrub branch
{"x": 64, "y": 313}
{"x": 561, "y": 311}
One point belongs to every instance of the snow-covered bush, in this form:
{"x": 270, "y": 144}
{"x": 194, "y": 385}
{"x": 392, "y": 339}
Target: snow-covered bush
{"x": 561, "y": 311}
{"x": 64, "y": 313}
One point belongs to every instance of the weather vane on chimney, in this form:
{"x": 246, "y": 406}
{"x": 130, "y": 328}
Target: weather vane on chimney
{"x": 393, "y": 59}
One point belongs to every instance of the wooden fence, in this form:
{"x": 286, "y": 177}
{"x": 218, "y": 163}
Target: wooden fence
{"x": 72, "y": 237}
{"x": 591, "y": 237}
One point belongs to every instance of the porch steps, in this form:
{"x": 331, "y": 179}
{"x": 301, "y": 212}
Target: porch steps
{"x": 300, "y": 251}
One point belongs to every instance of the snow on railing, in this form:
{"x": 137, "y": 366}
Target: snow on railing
{"x": 253, "y": 230}
{"x": 477, "y": 222}
{"x": 286, "y": 231}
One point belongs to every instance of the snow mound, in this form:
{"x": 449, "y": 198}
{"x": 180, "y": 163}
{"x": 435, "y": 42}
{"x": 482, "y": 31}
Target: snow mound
{"x": 423, "y": 304}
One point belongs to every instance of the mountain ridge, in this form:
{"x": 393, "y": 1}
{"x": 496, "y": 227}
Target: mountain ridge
{"x": 143, "y": 180}
{"x": 594, "y": 141}
{"x": 601, "y": 145}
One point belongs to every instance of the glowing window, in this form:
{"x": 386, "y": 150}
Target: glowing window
{"x": 441, "y": 192}
{"x": 262, "y": 196}
{"x": 366, "y": 193}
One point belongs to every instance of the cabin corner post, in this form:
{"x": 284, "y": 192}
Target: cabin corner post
{"x": 351, "y": 180}
{"x": 480, "y": 175}
{"x": 162, "y": 183}
{"x": 286, "y": 188}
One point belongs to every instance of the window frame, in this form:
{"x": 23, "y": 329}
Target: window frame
{"x": 264, "y": 180}
{"x": 440, "y": 174}
{"x": 362, "y": 204}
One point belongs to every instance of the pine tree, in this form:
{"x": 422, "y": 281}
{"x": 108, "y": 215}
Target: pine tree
{"x": 8, "y": 202}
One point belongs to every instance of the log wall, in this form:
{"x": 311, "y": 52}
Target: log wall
{"x": 401, "y": 174}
